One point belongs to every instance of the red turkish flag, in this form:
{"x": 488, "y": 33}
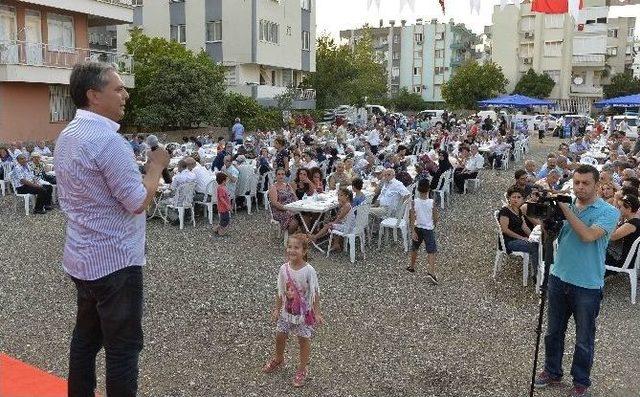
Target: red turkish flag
{"x": 552, "y": 6}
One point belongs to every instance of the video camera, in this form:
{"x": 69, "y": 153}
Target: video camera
{"x": 546, "y": 208}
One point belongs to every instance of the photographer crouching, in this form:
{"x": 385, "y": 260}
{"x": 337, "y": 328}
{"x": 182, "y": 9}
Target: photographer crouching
{"x": 576, "y": 280}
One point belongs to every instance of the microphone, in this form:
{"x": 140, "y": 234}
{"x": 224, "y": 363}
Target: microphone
{"x": 153, "y": 143}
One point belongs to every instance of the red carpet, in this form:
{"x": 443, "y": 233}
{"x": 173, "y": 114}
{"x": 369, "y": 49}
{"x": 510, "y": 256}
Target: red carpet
{"x": 18, "y": 379}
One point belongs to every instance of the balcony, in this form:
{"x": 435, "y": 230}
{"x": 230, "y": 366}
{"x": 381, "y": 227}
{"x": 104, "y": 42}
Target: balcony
{"x": 101, "y": 12}
{"x": 44, "y": 63}
{"x": 457, "y": 45}
{"x": 455, "y": 62}
{"x": 594, "y": 60}
{"x": 587, "y": 90}
{"x": 266, "y": 95}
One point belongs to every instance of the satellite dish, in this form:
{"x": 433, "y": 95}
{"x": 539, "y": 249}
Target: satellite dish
{"x": 578, "y": 80}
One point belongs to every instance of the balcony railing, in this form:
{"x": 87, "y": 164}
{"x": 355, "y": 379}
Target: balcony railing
{"x": 123, "y": 3}
{"x": 592, "y": 60}
{"x": 305, "y": 94}
{"x": 48, "y": 55}
{"x": 586, "y": 89}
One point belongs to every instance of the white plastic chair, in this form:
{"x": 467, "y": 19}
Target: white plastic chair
{"x": 210, "y": 198}
{"x": 633, "y": 273}
{"x": 397, "y": 223}
{"x": 181, "y": 201}
{"x": 274, "y": 224}
{"x": 267, "y": 178}
{"x": 475, "y": 181}
{"x": 252, "y": 193}
{"x": 29, "y": 199}
{"x": 445, "y": 187}
{"x": 501, "y": 254}
{"x": 362, "y": 220}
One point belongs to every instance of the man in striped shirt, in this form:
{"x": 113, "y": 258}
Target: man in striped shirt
{"x": 104, "y": 197}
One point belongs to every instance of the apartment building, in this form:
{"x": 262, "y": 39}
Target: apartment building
{"x": 579, "y": 56}
{"x": 419, "y": 57}
{"x": 40, "y": 41}
{"x": 266, "y": 46}
{"x": 483, "y": 46}
{"x": 635, "y": 67}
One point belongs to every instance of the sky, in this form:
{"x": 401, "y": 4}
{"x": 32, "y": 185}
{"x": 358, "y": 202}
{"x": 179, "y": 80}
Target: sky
{"x": 335, "y": 15}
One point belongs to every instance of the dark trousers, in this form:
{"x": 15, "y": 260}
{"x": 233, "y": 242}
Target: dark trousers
{"x": 459, "y": 177}
{"x": 566, "y": 300}
{"x": 110, "y": 316}
{"x": 43, "y": 194}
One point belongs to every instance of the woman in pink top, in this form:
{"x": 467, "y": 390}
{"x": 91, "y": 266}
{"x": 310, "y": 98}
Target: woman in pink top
{"x": 224, "y": 204}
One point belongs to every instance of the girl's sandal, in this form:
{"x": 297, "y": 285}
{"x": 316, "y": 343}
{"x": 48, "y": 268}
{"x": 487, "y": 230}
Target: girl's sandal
{"x": 272, "y": 365}
{"x": 301, "y": 377}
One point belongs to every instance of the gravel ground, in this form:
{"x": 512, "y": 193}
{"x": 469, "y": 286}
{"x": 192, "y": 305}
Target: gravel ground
{"x": 388, "y": 332}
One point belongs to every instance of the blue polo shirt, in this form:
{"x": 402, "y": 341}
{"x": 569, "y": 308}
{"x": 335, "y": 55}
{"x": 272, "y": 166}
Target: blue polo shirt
{"x": 580, "y": 263}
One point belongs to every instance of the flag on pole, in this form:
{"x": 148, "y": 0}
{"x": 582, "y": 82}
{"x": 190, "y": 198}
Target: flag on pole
{"x": 556, "y": 6}
{"x": 442, "y": 5}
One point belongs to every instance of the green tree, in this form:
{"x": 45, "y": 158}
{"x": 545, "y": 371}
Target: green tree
{"x": 472, "y": 83}
{"x": 344, "y": 76}
{"x": 406, "y": 100}
{"x": 622, "y": 84}
{"x": 535, "y": 85}
{"x": 175, "y": 88}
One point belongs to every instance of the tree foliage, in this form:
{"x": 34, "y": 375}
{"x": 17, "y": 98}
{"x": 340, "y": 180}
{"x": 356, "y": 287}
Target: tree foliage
{"x": 406, "y": 101}
{"x": 344, "y": 76}
{"x": 175, "y": 88}
{"x": 252, "y": 114}
{"x": 622, "y": 84}
{"x": 472, "y": 83}
{"x": 535, "y": 85}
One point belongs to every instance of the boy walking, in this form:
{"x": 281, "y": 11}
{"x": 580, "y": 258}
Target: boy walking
{"x": 423, "y": 217}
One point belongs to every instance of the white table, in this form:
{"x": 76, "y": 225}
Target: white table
{"x": 317, "y": 204}
{"x": 161, "y": 193}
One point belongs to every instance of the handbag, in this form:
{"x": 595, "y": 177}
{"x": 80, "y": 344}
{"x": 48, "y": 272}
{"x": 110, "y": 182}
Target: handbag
{"x": 309, "y": 314}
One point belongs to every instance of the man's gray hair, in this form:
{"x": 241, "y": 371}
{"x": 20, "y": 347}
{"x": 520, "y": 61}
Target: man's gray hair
{"x": 88, "y": 76}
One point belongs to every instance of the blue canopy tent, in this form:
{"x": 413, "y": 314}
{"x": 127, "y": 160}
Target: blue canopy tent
{"x": 515, "y": 101}
{"x": 627, "y": 101}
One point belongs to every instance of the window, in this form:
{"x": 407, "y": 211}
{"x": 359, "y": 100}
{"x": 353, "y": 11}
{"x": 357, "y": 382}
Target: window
{"x": 439, "y": 70}
{"x": 305, "y": 4}
{"x": 306, "y": 40}
{"x": 61, "y": 106}
{"x": 417, "y": 89}
{"x": 60, "y": 32}
{"x": 269, "y": 31}
{"x": 526, "y": 50}
{"x": 396, "y": 55}
{"x": 440, "y": 36}
{"x": 273, "y": 78}
{"x": 612, "y": 33}
{"x": 554, "y": 74}
{"x": 417, "y": 55}
{"x": 417, "y": 71}
{"x": 601, "y": 20}
{"x": 178, "y": 33}
{"x": 553, "y": 21}
{"x": 629, "y": 52}
{"x": 395, "y": 71}
{"x": 612, "y": 51}
{"x": 396, "y": 38}
{"x": 552, "y": 48}
{"x": 214, "y": 31}
{"x": 418, "y": 37}
{"x": 439, "y": 54}
{"x": 527, "y": 24}
{"x": 136, "y": 2}
{"x": 630, "y": 32}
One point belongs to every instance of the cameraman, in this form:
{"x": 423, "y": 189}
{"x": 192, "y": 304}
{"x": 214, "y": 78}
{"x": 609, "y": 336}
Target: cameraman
{"x": 576, "y": 280}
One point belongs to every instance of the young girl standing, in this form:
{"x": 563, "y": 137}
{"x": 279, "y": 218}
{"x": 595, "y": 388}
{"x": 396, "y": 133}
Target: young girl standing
{"x": 423, "y": 217}
{"x": 224, "y": 204}
{"x": 297, "y": 308}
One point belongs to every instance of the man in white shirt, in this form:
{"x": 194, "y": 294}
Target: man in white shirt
{"x": 232, "y": 173}
{"x": 201, "y": 152}
{"x": 41, "y": 149}
{"x": 183, "y": 176}
{"x": 374, "y": 138}
{"x": 498, "y": 150}
{"x": 14, "y": 151}
{"x": 470, "y": 170}
{"x": 390, "y": 194}
{"x": 578, "y": 148}
{"x": 203, "y": 177}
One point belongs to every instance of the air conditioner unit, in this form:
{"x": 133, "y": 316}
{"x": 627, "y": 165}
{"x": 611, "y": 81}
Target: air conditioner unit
{"x": 528, "y": 35}
{"x": 528, "y": 61}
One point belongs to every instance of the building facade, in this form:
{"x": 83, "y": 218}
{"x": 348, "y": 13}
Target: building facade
{"x": 266, "y": 46}
{"x": 40, "y": 41}
{"x": 419, "y": 57}
{"x": 580, "y": 56}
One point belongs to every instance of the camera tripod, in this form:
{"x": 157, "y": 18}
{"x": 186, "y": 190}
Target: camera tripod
{"x": 550, "y": 231}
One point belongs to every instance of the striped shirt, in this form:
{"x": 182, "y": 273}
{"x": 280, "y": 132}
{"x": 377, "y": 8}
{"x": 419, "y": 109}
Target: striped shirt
{"x": 99, "y": 189}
